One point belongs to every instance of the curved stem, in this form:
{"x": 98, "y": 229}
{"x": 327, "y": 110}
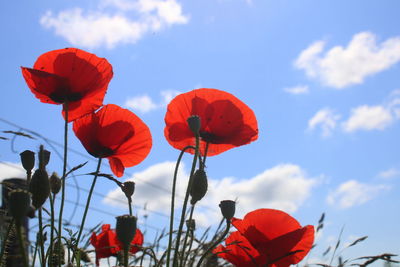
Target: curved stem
{"x": 186, "y": 236}
{"x": 88, "y": 201}
{"x": 194, "y": 162}
{"x": 219, "y": 240}
{"x": 21, "y": 245}
{"x": 171, "y": 220}
{"x": 63, "y": 181}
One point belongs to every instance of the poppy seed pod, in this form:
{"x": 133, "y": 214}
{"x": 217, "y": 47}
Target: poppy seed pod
{"x": 227, "y": 209}
{"x": 28, "y": 160}
{"x": 55, "y": 183}
{"x": 126, "y": 229}
{"x": 199, "y": 186}
{"x": 194, "y": 124}
{"x": 191, "y": 224}
{"x": 128, "y": 188}
{"x": 19, "y": 203}
{"x": 39, "y": 186}
{"x": 44, "y": 157}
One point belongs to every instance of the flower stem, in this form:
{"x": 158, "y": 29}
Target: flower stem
{"x": 88, "y": 201}
{"x": 63, "y": 181}
{"x": 21, "y": 245}
{"x": 186, "y": 236}
{"x": 219, "y": 240}
{"x": 52, "y": 198}
{"x": 171, "y": 218}
{"x": 194, "y": 162}
{"x": 41, "y": 239}
{"x": 126, "y": 250}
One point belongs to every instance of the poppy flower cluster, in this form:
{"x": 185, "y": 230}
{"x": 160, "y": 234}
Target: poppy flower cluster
{"x": 226, "y": 122}
{"x": 266, "y": 237}
{"x": 70, "y": 76}
{"x": 106, "y": 243}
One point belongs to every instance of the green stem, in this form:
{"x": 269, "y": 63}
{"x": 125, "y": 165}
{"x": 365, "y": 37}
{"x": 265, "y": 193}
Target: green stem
{"x": 41, "y": 239}
{"x": 63, "y": 182}
{"x": 130, "y": 205}
{"x": 88, "y": 201}
{"x": 3, "y": 247}
{"x": 126, "y": 250}
{"x": 21, "y": 245}
{"x": 190, "y": 247}
{"x": 171, "y": 218}
{"x": 196, "y": 154}
{"x": 34, "y": 254}
{"x": 186, "y": 236}
{"x": 52, "y": 198}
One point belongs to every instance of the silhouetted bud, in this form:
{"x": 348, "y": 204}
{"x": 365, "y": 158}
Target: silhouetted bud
{"x": 128, "y": 188}
{"x": 199, "y": 186}
{"x": 28, "y": 160}
{"x": 54, "y": 258}
{"x": 39, "y": 187}
{"x": 227, "y": 209}
{"x": 44, "y": 157}
{"x": 194, "y": 124}
{"x": 55, "y": 183}
{"x": 19, "y": 203}
{"x": 191, "y": 224}
{"x": 84, "y": 256}
{"x": 126, "y": 229}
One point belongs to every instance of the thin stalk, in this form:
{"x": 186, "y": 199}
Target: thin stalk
{"x": 190, "y": 247}
{"x": 205, "y": 155}
{"x": 88, "y": 201}
{"x": 130, "y": 205}
{"x": 219, "y": 240}
{"x": 52, "y": 198}
{"x": 41, "y": 239}
{"x": 3, "y": 247}
{"x": 34, "y": 255}
{"x": 63, "y": 181}
{"x": 186, "y": 236}
{"x": 196, "y": 154}
{"x": 21, "y": 245}
{"x": 126, "y": 250}
{"x": 171, "y": 218}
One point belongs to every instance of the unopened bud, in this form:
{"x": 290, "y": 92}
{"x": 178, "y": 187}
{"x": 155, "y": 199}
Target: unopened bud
{"x": 55, "y": 183}
{"x": 194, "y": 124}
{"x": 28, "y": 160}
{"x": 191, "y": 224}
{"x": 19, "y": 203}
{"x": 126, "y": 229}
{"x": 199, "y": 186}
{"x": 56, "y": 259}
{"x": 227, "y": 209}
{"x": 128, "y": 188}
{"x": 39, "y": 186}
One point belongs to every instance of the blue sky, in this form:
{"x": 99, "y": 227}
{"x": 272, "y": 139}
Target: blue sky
{"x": 321, "y": 76}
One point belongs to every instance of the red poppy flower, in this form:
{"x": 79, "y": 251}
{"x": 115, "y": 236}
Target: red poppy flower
{"x": 226, "y": 122}
{"x": 267, "y": 236}
{"x": 72, "y": 76}
{"x": 106, "y": 243}
{"x": 114, "y": 133}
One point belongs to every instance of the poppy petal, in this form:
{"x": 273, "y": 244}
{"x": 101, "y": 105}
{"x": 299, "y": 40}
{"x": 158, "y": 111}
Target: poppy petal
{"x": 116, "y": 166}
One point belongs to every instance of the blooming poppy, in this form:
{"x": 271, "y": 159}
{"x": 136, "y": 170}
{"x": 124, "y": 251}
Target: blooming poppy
{"x": 114, "y": 133}
{"x": 72, "y": 76}
{"x": 106, "y": 243}
{"x": 267, "y": 237}
{"x": 226, "y": 122}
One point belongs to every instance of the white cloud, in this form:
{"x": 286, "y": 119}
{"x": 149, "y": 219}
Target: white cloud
{"x": 353, "y": 193}
{"x": 297, "y": 90}
{"x": 11, "y": 170}
{"x": 146, "y": 104}
{"x": 326, "y": 119}
{"x": 368, "y": 118}
{"x": 341, "y": 66}
{"x": 97, "y": 28}
{"x": 284, "y": 186}
{"x": 389, "y": 173}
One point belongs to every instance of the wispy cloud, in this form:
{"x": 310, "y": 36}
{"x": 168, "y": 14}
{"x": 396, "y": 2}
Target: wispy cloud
{"x": 112, "y": 22}
{"x": 389, "y": 173}
{"x": 353, "y": 193}
{"x": 145, "y": 103}
{"x": 326, "y": 119}
{"x": 340, "y": 67}
{"x": 297, "y": 90}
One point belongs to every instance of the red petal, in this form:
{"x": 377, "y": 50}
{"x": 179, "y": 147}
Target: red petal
{"x": 137, "y": 242}
{"x": 116, "y": 166}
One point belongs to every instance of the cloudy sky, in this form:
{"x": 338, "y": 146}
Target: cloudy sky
{"x": 321, "y": 76}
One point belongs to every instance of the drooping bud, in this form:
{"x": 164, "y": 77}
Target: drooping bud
{"x": 39, "y": 187}
{"x": 128, "y": 188}
{"x": 227, "y": 209}
{"x": 126, "y": 229}
{"x": 19, "y": 203}
{"x": 199, "y": 186}
{"x": 191, "y": 224}
{"x": 194, "y": 124}
{"x": 28, "y": 160}
{"x": 44, "y": 157}
{"x": 55, "y": 183}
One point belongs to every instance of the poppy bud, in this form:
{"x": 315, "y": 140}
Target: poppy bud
{"x": 191, "y": 224}
{"x": 18, "y": 204}
{"x": 128, "y": 188}
{"x": 126, "y": 229}
{"x": 28, "y": 160}
{"x": 199, "y": 186}
{"x": 54, "y": 258}
{"x": 194, "y": 124}
{"x": 39, "y": 187}
{"x": 55, "y": 183}
{"x": 227, "y": 209}
{"x": 44, "y": 157}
